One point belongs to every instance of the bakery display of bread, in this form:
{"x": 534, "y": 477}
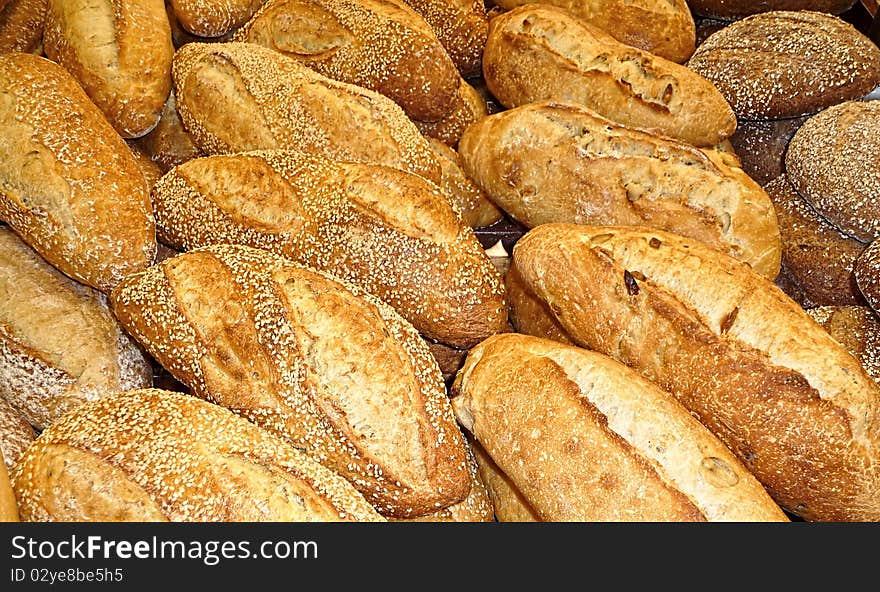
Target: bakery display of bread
{"x": 857, "y": 328}
{"x": 213, "y": 18}
{"x": 21, "y": 25}
{"x": 867, "y": 272}
{"x": 16, "y": 434}
{"x": 461, "y": 26}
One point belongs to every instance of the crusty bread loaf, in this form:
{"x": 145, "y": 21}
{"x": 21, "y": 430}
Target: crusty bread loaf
{"x": 529, "y": 314}
{"x": 857, "y": 328}
{"x": 392, "y": 233}
{"x": 461, "y": 26}
{"x": 169, "y": 144}
{"x": 21, "y": 26}
{"x": 818, "y": 257}
{"x": 152, "y": 455}
{"x": 538, "y": 52}
{"x": 584, "y": 438}
{"x": 69, "y": 185}
{"x": 311, "y": 359}
{"x": 234, "y": 97}
{"x": 867, "y": 272}
{"x": 214, "y": 18}
{"x": 756, "y": 369}
{"x": 8, "y": 504}
{"x": 671, "y": 33}
{"x": 59, "y": 343}
{"x": 473, "y": 204}
{"x": 120, "y": 52}
{"x": 16, "y": 434}
{"x": 382, "y": 45}
{"x": 737, "y": 9}
{"x": 788, "y": 63}
{"x": 560, "y": 162}
{"x": 833, "y": 160}
{"x": 508, "y": 502}
{"x": 761, "y": 145}
{"x": 468, "y": 106}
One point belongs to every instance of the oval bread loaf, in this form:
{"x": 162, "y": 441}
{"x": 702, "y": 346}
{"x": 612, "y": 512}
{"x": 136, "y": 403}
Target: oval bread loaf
{"x": 798, "y": 409}
{"x": 761, "y": 144}
{"x": 21, "y": 26}
{"x": 214, "y": 18}
{"x": 16, "y": 434}
{"x": 151, "y": 455}
{"x": 320, "y": 363}
{"x": 461, "y": 26}
{"x": 69, "y": 185}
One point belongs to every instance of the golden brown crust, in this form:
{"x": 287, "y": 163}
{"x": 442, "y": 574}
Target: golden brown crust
{"x": 169, "y": 144}
{"x": 509, "y": 503}
{"x": 468, "y": 107}
{"x": 69, "y": 185}
{"x": 152, "y": 455}
{"x": 867, "y": 272}
{"x": 528, "y": 313}
{"x": 311, "y": 359}
{"x": 214, "y": 18}
{"x": 472, "y": 202}
{"x": 461, "y": 26}
{"x": 538, "y": 52}
{"x": 21, "y": 26}
{"x": 16, "y": 434}
{"x": 561, "y": 162}
{"x": 234, "y": 97}
{"x": 793, "y": 405}
{"x": 148, "y": 168}
{"x": 8, "y": 505}
{"x": 857, "y": 328}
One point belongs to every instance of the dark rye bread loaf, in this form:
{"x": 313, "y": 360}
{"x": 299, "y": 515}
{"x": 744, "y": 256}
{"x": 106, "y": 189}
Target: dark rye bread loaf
{"x": 234, "y": 97}
{"x": 21, "y": 26}
{"x": 833, "y": 161}
{"x": 761, "y": 144}
{"x": 867, "y": 272}
{"x": 392, "y": 233}
{"x": 560, "y": 162}
{"x": 737, "y": 9}
{"x": 584, "y": 438}
{"x": 16, "y": 434}
{"x": 788, "y": 63}
{"x": 538, "y": 52}
{"x": 857, "y": 328}
{"x": 790, "y": 401}
{"x": 315, "y": 361}
{"x": 213, "y": 18}
{"x": 151, "y": 455}
{"x": 461, "y": 26}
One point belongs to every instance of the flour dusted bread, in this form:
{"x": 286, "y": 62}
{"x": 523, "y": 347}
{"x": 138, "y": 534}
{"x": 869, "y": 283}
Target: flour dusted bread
{"x": 21, "y": 26}
{"x": 213, "y": 18}
{"x": 553, "y": 161}
{"x": 69, "y": 185}
{"x": 16, "y": 434}
{"x": 152, "y": 455}
{"x": 509, "y": 504}
{"x": 794, "y": 406}
{"x": 317, "y": 362}
{"x": 461, "y": 26}
{"x": 584, "y": 438}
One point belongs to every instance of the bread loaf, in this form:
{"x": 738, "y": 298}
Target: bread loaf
{"x": 59, "y": 343}
{"x": 468, "y": 106}
{"x": 670, "y": 35}
{"x": 584, "y": 438}
{"x": 538, "y": 52}
{"x": 737, "y": 9}
{"x": 317, "y": 362}
{"x": 120, "y": 52}
{"x": 560, "y": 162}
{"x": 857, "y": 328}
{"x": 508, "y": 503}
{"x": 529, "y": 314}
{"x": 69, "y": 185}
{"x": 472, "y": 202}
{"x": 382, "y": 45}
{"x": 867, "y": 272}
{"x": 8, "y": 505}
{"x": 761, "y": 145}
{"x": 21, "y": 26}
{"x": 234, "y": 97}
{"x": 152, "y": 455}
{"x": 169, "y": 144}
{"x": 461, "y": 26}
{"x": 214, "y": 18}
{"x": 776, "y": 388}
{"x": 788, "y": 63}
{"x": 390, "y": 232}
{"x": 148, "y": 168}
{"x": 16, "y": 434}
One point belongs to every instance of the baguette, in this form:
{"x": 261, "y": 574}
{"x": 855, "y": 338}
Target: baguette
{"x": 584, "y": 438}
{"x": 461, "y": 26}
{"x": 69, "y": 185}
{"x": 315, "y": 361}
{"x": 16, "y": 434}
{"x": 152, "y": 455}
{"x": 21, "y": 26}
{"x": 214, "y": 18}
{"x": 798, "y": 410}
{"x": 561, "y": 162}
{"x": 8, "y": 504}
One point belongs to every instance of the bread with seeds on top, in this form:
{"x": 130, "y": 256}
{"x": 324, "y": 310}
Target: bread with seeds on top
{"x": 213, "y": 18}
{"x": 313, "y": 360}
{"x": 153, "y": 456}
{"x": 21, "y": 26}
{"x": 461, "y": 26}
{"x": 234, "y": 97}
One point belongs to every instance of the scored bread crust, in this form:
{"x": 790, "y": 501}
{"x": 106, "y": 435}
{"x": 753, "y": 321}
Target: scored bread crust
{"x": 154, "y": 455}
{"x": 213, "y": 18}
{"x": 791, "y": 402}
{"x": 461, "y": 26}
{"x": 553, "y": 161}
{"x": 21, "y": 26}
{"x": 390, "y": 232}
{"x": 584, "y": 438}
{"x": 234, "y": 97}
{"x": 312, "y": 359}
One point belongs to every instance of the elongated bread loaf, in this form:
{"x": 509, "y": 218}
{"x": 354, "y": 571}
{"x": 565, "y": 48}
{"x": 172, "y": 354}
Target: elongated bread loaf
{"x": 151, "y": 455}
{"x": 584, "y": 438}
{"x": 789, "y": 400}
{"x": 69, "y": 185}
{"x": 318, "y": 362}
{"x": 390, "y": 232}
{"x": 16, "y": 434}
{"x": 213, "y": 18}
{"x": 461, "y": 26}
{"x": 8, "y": 504}
{"x": 21, "y": 26}
{"x": 560, "y": 162}
{"x": 538, "y": 52}
{"x": 234, "y": 97}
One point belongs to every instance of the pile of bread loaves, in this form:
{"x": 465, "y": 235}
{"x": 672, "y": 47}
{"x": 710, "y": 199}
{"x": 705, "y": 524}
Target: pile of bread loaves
{"x": 241, "y": 275}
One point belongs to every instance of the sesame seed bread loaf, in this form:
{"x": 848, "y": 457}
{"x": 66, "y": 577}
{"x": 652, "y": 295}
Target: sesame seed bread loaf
{"x": 151, "y": 455}
{"x": 670, "y": 35}
{"x": 315, "y": 361}
{"x": 16, "y": 434}
{"x": 8, "y": 504}
{"x": 472, "y": 202}
{"x": 833, "y": 160}
{"x": 214, "y": 18}
{"x": 857, "y": 328}
{"x": 867, "y": 272}
{"x": 120, "y": 53}
{"x": 234, "y": 97}
{"x": 584, "y": 438}
{"x": 788, "y": 63}
{"x": 461, "y": 26}
{"x": 468, "y": 106}
{"x": 69, "y": 185}
{"x": 737, "y": 9}
{"x": 538, "y": 52}
{"x": 560, "y": 162}
{"x": 508, "y": 502}
{"x": 169, "y": 144}
{"x": 392, "y": 233}
{"x": 792, "y": 404}
{"x": 21, "y": 26}
{"x": 59, "y": 343}
{"x": 761, "y": 144}
{"x": 382, "y": 45}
